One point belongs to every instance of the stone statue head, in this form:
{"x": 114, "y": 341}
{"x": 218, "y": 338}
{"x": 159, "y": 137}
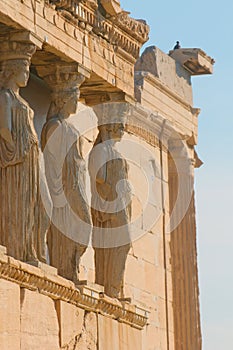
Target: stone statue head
{"x": 64, "y": 82}
{"x": 15, "y": 62}
{"x": 14, "y": 71}
{"x": 112, "y": 117}
{"x": 63, "y": 103}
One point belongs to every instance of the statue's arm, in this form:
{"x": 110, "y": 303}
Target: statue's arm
{"x": 101, "y": 176}
{"x": 5, "y": 117}
{"x": 98, "y": 169}
{"x": 52, "y": 127}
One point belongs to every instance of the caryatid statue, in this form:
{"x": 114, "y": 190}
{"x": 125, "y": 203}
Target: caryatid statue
{"x": 65, "y": 171}
{"x": 111, "y": 199}
{"x": 23, "y": 221}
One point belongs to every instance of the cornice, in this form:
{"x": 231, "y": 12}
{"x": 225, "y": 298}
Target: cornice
{"x": 45, "y": 280}
{"x": 135, "y": 28}
{"x": 120, "y": 30}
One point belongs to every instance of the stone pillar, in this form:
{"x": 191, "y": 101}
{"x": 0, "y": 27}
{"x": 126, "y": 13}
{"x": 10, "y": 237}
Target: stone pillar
{"x": 183, "y": 247}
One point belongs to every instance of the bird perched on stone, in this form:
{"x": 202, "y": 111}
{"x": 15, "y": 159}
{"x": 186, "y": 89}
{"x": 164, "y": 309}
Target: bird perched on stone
{"x": 177, "y": 46}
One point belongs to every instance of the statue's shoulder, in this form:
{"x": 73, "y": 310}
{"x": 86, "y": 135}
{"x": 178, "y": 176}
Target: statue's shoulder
{"x": 101, "y": 149}
{"x": 49, "y": 127}
{"x": 53, "y": 123}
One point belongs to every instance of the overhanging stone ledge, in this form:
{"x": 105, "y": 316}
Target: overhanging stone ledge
{"x": 90, "y": 297}
{"x": 195, "y": 60}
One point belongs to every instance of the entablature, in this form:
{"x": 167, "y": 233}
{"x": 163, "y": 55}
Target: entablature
{"x": 75, "y": 30}
{"x": 87, "y": 11}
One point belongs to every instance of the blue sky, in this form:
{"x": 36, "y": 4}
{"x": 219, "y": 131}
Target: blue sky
{"x": 207, "y": 25}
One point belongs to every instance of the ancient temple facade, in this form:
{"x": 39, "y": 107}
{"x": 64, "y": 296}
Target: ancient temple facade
{"x": 97, "y": 161}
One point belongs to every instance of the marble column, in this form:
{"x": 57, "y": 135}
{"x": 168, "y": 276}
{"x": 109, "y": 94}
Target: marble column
{"x": 183, "y": 247}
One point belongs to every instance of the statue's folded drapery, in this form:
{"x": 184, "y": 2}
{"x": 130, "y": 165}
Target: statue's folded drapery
{"x": 23, "y": 221}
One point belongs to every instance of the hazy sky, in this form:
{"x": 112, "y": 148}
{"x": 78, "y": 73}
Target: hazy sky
{"x": 207, "y": 25}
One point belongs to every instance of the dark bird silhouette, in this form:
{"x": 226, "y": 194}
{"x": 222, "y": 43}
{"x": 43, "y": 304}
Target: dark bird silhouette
{"x": 177, "y": 46}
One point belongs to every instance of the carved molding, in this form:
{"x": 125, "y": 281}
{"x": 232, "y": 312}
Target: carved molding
{"x": 121, "y": 30}
{"x": 137, "y": 28}
{"x": 45, "y": 280}
{"x": 61, "y": 77}
{"x": 70, "y": 5}
{"x": 143, "y": 133}
{"x": 150, "y": 126}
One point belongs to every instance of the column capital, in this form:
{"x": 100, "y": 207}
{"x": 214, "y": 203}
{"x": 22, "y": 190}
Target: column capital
{"x": 182, "y": 155}
{"x": 21, "y": 36}
{"x": 16, "y": 47}
{"x": 112, "y": 112}
{"x": 61, "y": 77}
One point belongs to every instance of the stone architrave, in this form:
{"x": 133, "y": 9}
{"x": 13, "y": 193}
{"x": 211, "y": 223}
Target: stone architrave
{"x": 111, "y": 199}
{"x": 23, "y": 221}
{"x": 65, "y": 172}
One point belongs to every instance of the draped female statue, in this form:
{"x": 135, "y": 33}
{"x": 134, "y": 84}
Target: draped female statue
{"x": 111, "y": 199}
{"x": 22, "y": 217}
{"x": 65, "y": 171}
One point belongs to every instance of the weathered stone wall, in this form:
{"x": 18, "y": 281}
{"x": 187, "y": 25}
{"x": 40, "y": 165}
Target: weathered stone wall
{"x": 40, "y": 310}
{"x": 32, "y": 321}
{"x": 170, "y": 73}
{"x": 148, "y": 270}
